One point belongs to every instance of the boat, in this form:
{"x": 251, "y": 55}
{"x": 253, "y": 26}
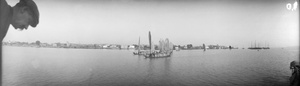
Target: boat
{"x": 255, "y": 47}
{"x": 139, "y": 52}
{"x": 158, "y": 55}
{"x": 165, "y": 49}
{"x": 266, "y": 47}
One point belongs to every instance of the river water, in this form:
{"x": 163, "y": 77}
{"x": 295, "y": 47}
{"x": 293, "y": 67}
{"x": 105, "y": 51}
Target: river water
{"x": 26, "y": 66}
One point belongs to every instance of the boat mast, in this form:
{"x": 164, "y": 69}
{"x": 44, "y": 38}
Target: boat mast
{"x": 139, "y": 45}
{"x": 150, "y": 44}
{"x": 255, "y": 43}
{"x": 265, "y": 44}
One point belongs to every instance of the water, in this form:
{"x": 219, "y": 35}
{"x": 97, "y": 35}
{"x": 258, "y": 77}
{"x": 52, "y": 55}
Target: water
{"x": 24, "y": 66}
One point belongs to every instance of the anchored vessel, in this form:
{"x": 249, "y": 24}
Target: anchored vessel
{"x": 257, "y": 47}
{"x": 165, "y": 49}
{"x": 139, "y": 52}
{"x": 266, "y": 47}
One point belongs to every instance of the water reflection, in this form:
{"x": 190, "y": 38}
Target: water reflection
{"x": 74, "y": 67}
{"x": 158, "y": 71}
{"x": 275, "y": 81}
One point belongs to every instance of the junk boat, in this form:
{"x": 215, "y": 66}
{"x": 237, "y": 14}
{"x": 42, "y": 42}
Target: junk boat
{"x": 165, "y": 49}
{"x": 255, "y": 47}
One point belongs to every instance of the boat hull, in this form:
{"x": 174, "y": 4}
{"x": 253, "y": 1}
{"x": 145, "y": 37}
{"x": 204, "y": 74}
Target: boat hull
{"x": 158, "y": 55}
{"x": 255, "y": 48}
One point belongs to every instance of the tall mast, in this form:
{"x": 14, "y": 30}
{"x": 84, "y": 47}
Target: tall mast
{"x": 150, "y": 44}
{"x": 204, "y": 47}
{"x": 255, "y": 43}
{"x": 265, "y": 44}
{"x": 139, "y": 46}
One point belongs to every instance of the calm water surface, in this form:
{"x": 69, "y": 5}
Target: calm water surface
{"x": 23, "y": 66}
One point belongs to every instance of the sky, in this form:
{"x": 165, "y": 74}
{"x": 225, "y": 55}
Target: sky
{"x": 225, "y": 22}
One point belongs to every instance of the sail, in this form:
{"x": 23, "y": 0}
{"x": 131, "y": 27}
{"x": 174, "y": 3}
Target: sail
{"x": 164, "y": 46}
{"x": 152, "y": 47}
{"x": 161, "y": 45}
{"x": 167, "y": 45}
{"x": 171, "y": 46}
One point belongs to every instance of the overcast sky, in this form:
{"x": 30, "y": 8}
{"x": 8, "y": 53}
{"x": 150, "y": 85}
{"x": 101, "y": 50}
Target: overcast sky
{"x": 236, "y": 23}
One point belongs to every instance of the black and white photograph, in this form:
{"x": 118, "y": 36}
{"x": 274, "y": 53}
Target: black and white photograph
{"x": 149, "y": 43}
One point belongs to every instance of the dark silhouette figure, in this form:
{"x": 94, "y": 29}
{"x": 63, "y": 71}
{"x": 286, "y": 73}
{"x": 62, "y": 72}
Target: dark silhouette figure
{"x": 20, "y": 16}
{"x": 294, "y": 79}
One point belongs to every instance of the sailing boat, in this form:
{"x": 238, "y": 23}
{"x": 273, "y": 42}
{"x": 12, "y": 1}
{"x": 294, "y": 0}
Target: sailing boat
{"x": 139, "y": 50}
{"x": 255, "y": 47}
{"x": 266, "y": 47}
{"x": 165, "y": 50}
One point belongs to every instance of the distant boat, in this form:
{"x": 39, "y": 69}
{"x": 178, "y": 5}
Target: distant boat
{"x": 255, "y": 47}
{"x": 266, "y": 47}
{"x": 158, "y": 55}
{"x": 165, "y": 50}
{"x": 139, "y": 50}
{"x": 258, "y": 47}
